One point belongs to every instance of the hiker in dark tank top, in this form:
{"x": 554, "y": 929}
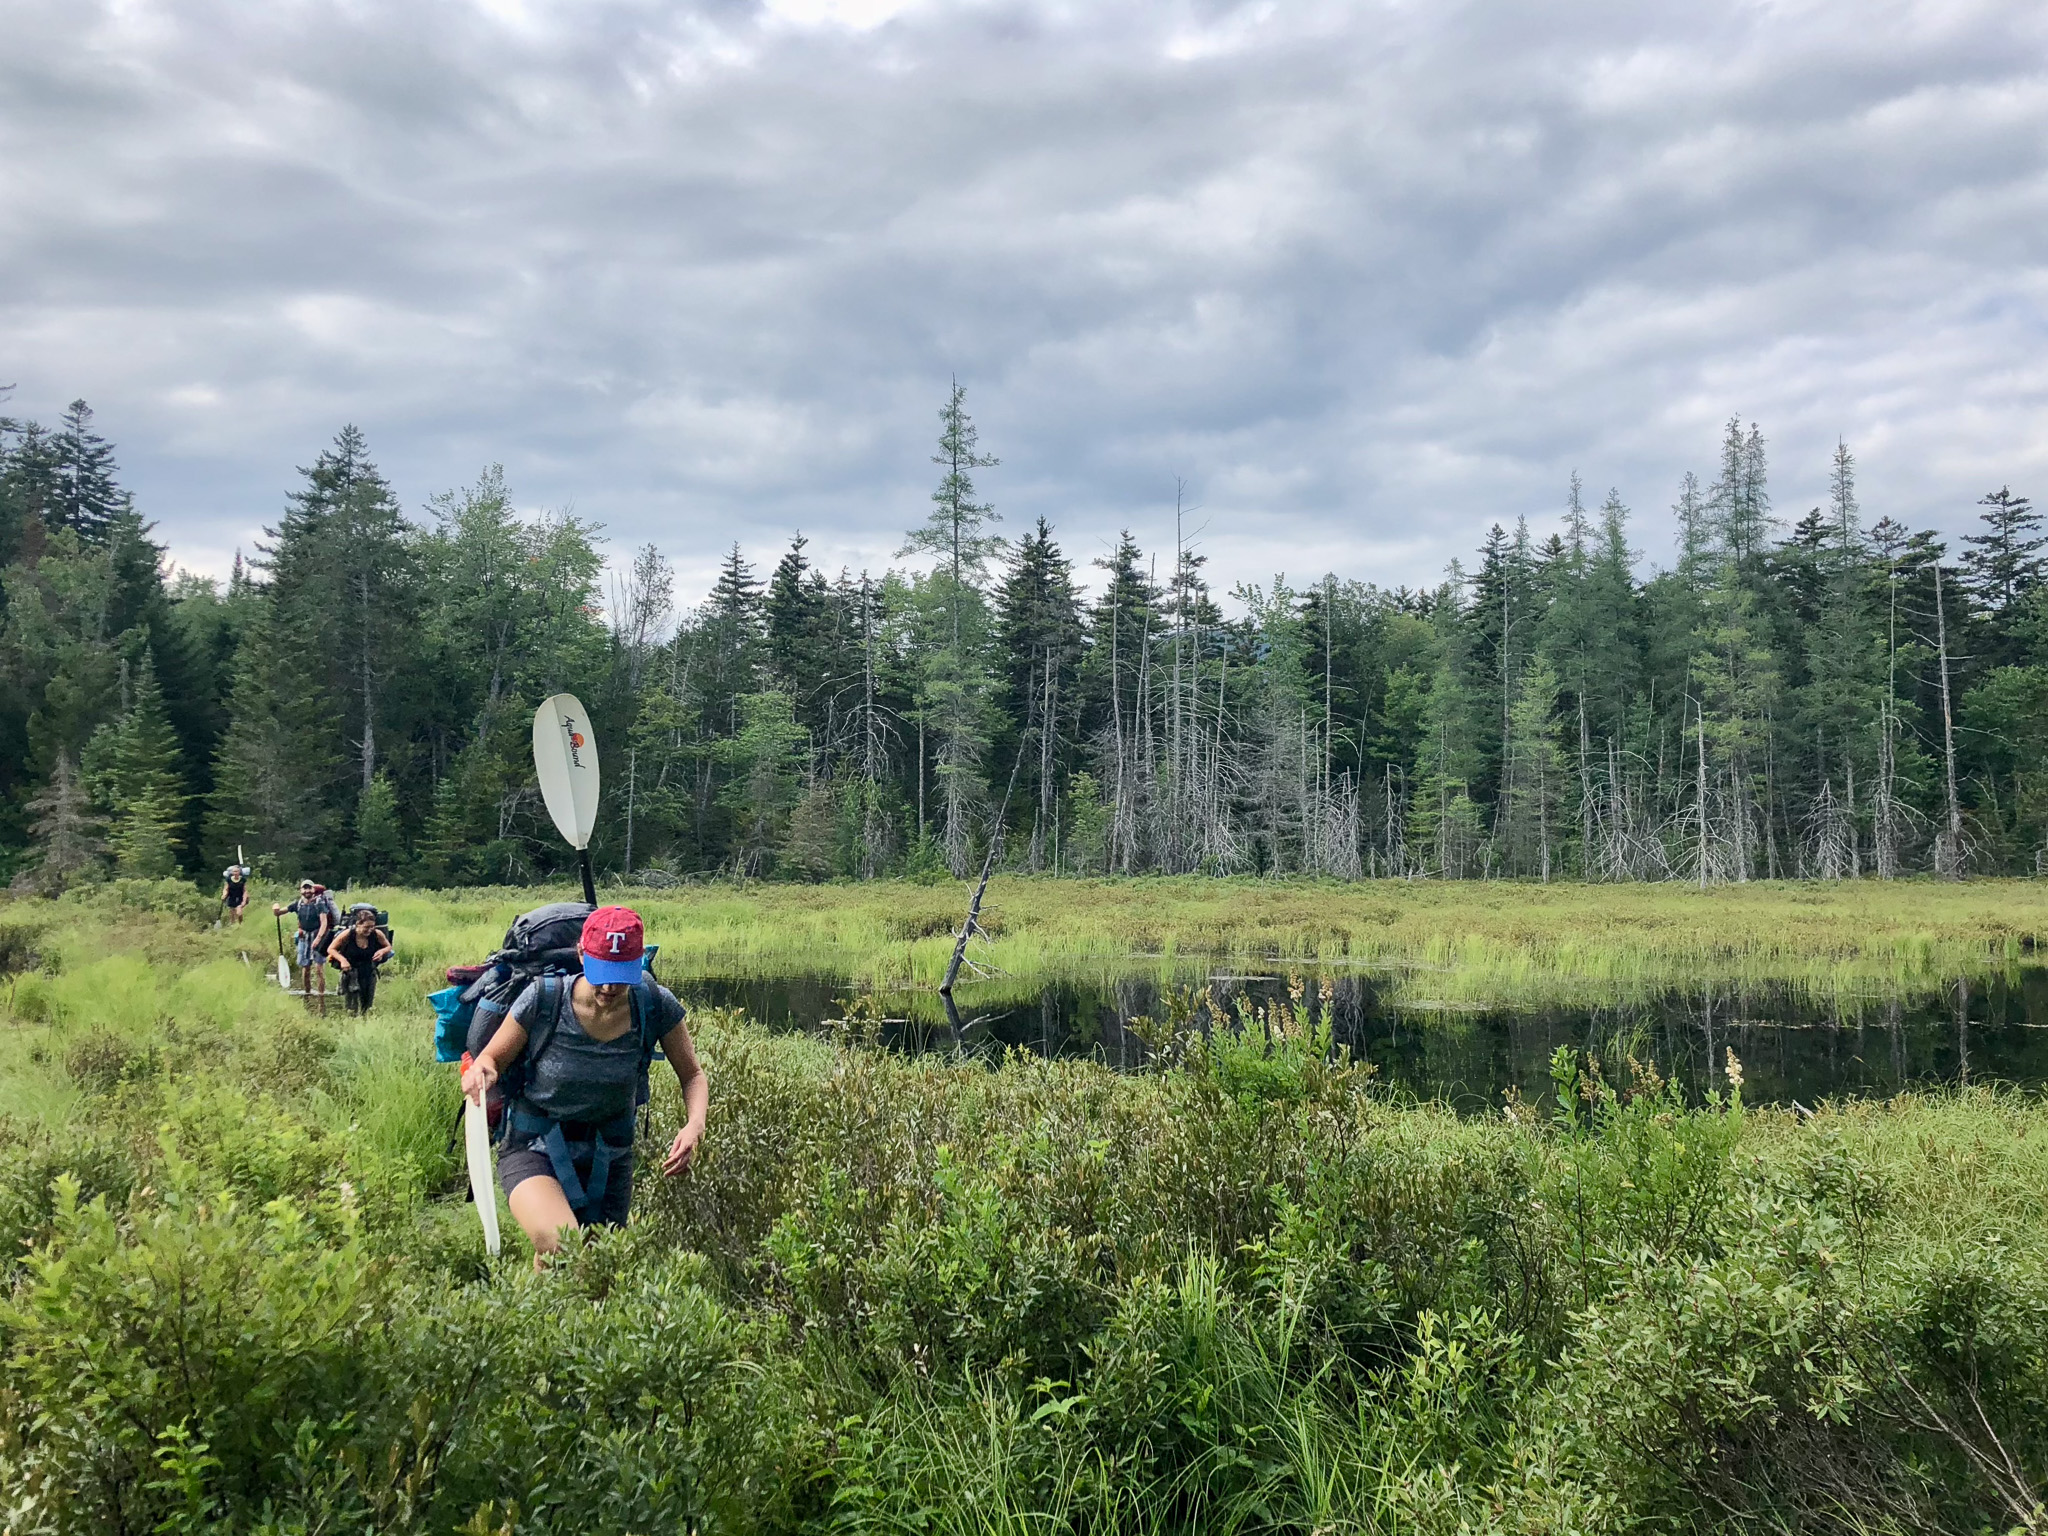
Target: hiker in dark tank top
{"x": 585, "y": 1043}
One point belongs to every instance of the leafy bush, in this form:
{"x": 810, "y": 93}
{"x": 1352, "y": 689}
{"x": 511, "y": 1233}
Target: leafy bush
{"x": 174, "y": 898}
{"x": 1245, "y": 1291}
{"x": 160, "y": 1365}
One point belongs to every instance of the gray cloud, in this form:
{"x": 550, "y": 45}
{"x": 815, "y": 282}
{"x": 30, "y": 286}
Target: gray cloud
{"x": 1370, "y": 276}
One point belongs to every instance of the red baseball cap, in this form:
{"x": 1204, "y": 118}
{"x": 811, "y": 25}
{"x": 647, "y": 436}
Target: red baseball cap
{"x": 613, "y": 947}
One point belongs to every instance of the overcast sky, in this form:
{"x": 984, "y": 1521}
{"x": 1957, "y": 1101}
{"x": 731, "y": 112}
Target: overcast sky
{"x": 1367, "y": 277}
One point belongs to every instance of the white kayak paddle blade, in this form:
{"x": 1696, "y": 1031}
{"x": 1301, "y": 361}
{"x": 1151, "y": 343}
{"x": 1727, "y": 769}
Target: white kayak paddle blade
{"x": 476, "y": 1142}
{"x": 284, "y": 973}
{"x": 565, "y": 761}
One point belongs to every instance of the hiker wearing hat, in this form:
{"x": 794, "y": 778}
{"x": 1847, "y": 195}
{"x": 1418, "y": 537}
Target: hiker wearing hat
{"x": 234, "y": 891}
{"x": 316, "y": 925}
{"x": 581, "y": 1047}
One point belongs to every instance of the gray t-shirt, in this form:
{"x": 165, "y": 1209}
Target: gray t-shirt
{"x": 577, "y": 1078}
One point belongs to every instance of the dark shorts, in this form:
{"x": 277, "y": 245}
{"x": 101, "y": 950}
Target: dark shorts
{"x": 359, "y": 988}
{"x": 235, "y": 898}
{"x": 523, "y": 1161}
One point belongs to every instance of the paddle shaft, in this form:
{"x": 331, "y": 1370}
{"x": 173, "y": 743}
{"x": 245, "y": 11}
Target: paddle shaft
{"x": 589, "y": 881}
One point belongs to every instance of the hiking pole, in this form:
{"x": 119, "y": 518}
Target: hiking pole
{"x": 565, "y": 762}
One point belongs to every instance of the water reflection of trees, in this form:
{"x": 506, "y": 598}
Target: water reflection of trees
{"x": 1794, "y": 1046}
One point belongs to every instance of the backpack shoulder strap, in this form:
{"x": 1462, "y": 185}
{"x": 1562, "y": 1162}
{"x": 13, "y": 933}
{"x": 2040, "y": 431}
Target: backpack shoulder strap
{"x": 647, "y": 1020}
{"x": 546, "y": 1015}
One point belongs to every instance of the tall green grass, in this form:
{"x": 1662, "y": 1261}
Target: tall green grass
{"x": 1459, "y": 943}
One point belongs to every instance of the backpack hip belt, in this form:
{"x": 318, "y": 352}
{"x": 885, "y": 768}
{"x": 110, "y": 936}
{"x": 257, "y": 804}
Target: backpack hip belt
{"x": 585, "y": 1200}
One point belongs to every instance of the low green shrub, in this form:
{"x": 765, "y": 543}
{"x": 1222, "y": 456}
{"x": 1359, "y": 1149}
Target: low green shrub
{"x": 1247, "y": 1291}
{"x": 174, "y": 898}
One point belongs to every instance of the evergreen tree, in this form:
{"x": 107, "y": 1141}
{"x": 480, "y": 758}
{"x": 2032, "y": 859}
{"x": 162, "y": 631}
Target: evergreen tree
{"x": 2003, "y": 564}
{"x": 1845, "y": 653}
{"x": 276, "y": 771}
{"x": 1444, "y": 828}
{"x": 797, "y": 622}
{"x": 447, "y": 841}
{"x": 811, "y": 845}
{"x": 1739, "y": 501}
{"x": 380, "y": 839}
{"x": 1039, "y": 642}
{"x": 954, "y": 530}
{"x": 342, "y": 582}
{"x": 766, "y": 756}
{"x": 28, "y": 489}
{"x": 1501, "y": 612}
{"x": 951, "y": 710}
{"x": 2005, "y": 561}
{"x": 1116, "y": 683}
{"x": 1534, "y": 778}
{"x": 1279, "y": 761}
{"x": 85, "y": 498}
{"x": 732, "y": 633}
{"x": 65, "y": 844}
{"x": 954, "y": 682}
{"x": 1827, "y": 702}
{"x": 133, "y": 770}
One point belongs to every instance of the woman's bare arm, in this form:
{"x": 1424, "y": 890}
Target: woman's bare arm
{"x": 505, "y": 1047}
{"x": 681, "y": 1052}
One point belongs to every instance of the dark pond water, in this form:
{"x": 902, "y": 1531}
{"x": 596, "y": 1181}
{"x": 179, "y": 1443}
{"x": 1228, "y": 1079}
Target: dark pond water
{"x": 1791, "y": 1048}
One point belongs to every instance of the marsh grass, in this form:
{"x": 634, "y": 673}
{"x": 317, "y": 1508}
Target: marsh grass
{"x": 1455, "y": 943}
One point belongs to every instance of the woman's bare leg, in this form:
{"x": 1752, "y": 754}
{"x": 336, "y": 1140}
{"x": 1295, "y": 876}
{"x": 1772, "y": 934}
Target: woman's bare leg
{"x": 543, "y": 1214}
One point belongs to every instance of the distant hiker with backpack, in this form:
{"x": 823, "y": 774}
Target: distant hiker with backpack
{"x": 581, "y": 1046}
{"x": 234, "y": 891}
{"x": 360, "y": 949}
{"x": 315, "y": 912}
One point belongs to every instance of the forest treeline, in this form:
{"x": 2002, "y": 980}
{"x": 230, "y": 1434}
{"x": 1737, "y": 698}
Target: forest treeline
{"x": 1803, "y": 696}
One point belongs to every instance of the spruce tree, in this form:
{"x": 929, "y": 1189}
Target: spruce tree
{"x": 133, "y": 769}
{"x": 343, "y": 585}
{"x": 1500, "y": 617}
{"x": 797, "y": 635}
{"x": 954, "y": 530}
{"x": 2003, "y": 565}
{"x": 731, "y": 635}
{"x": 27, "y": 489}
{"x": 1841, "y": 704}
{"x": 2005, "y": 561}
{"x": 446, "y": 842}
{"x": 954, "y": 683}
{"x": 144, "y": 837}
{"x": 380, "y": 837}
{"x": 1739, "y": 501}
{"x": 65, "y": 843}
{"x": 86, "y": 499}
{"x": 1534, "y": 778}
{"x": 766, "y": 761}
{"x": 1444, "y": 828}
{"x": 1114, "y": 683}
{"x": 276, "y": 770}
{"x": 1038, "y": 641}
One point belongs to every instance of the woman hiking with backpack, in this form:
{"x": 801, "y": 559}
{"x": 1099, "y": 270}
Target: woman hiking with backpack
{"x": 574, "y": 1054}
{"x": 360, "y": 949}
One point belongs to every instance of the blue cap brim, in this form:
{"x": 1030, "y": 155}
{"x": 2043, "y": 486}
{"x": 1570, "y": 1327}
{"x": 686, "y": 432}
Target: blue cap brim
{"x": 612, "y": 973}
